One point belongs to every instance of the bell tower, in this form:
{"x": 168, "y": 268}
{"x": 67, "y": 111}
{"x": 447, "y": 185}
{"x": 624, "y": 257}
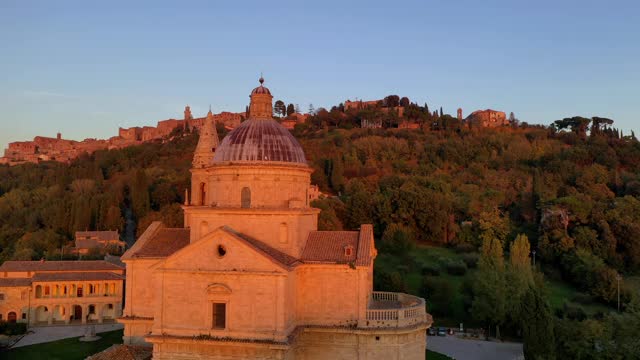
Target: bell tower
{"x": 207, "y": 143}
{"x": 261, "y": 106}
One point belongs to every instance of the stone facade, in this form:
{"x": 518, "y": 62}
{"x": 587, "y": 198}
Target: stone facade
{"x": 251, "y": 277}
{"x": 60, "y": 292}
{"x": 487, "y": 118}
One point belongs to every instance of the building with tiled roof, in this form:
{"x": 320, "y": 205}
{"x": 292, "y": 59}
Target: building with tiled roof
{"x": 487, "y": 118}
{"x": 250, "y": 275}
{"x": 103, "y": 241}
{"x": 61, "y": 292}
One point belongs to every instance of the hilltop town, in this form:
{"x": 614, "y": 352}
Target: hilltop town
{"x": 43, "y": 148}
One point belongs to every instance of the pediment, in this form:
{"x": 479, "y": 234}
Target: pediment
{"x": 218, "y": 289}
{"x": 223, "y": 250}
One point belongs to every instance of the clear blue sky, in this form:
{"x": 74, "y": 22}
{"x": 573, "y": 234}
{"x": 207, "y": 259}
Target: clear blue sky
{"x": 85, "y": 68}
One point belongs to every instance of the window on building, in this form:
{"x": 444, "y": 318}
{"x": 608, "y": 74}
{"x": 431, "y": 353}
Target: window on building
{"x": 348, "y": 250}
{"x": 24, "y": 316}
{"x": 219, "y": 319}
{"x": 245, "y": 198}
{"x": 1, "y": 317}
{"x": 47, "y": 290}
{"x": 92, "y": 309}
{"x": 110, "y": 306}
{"x": 1, "y": 296}
{"x": 284, "y": 233}
{"x": 91, "y": 289}
{"x": 203, "y": 194}
{"x": 222, "y": 251}
{"x": 79, "y": 292}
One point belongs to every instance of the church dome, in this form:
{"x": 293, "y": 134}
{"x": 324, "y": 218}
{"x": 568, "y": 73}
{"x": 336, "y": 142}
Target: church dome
{"x": 261, "y": 89}
{"x": 260, "y": 140}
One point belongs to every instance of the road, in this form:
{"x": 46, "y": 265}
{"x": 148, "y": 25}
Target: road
{"x": 462, "y": 349}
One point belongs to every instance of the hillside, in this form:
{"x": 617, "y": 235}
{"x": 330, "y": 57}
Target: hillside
{"x": 574, "y": 194}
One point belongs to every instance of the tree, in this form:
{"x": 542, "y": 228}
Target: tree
{"x": 280, "y": 108}
{"x": 404, "y": 101}
{"x": 140, "y": 194}
{"x": 537, "y": 326}
{"x": 493, "y": 225}
{"x": 391, "y": 101}
{"x": 290, "y": 109}
{"x": 519, "y": 277}
{"x": 398, "y": 239}
{"x": 577, "y": 124}
{"x": 359, "y": 205}
{"x": 489, "y": 288}
{"x": 312, "y": 110}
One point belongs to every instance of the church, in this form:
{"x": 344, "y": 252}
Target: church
{"x": 250, "y": 276}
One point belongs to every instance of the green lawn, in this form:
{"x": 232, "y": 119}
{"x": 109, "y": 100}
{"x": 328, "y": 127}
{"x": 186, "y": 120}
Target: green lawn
{"x": 67, "y": 349}
{"x": 561, "y": 292}
{"x": 432, "y": 355}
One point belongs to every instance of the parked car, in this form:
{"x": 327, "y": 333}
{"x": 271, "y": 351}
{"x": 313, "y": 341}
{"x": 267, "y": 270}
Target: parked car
{"x": 442, "y": 331}
{"x": 431, "y": 331}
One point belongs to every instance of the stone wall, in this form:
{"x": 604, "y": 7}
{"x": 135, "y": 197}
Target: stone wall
{"x": 308, "y": 344}
{"x": 63, "y": 150}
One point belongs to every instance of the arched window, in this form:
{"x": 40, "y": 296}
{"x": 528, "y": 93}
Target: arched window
{"x": 246, "y": 198}
{"x": 38, "y": 291}
{"x": 203, "y": 194}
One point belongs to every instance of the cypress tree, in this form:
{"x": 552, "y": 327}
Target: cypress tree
{"x": 537, "y": 327}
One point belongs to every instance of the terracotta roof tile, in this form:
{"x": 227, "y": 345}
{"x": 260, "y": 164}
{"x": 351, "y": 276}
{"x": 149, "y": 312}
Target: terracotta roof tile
{"x": 76, "y": 276}
{"x": 15, "y": 282}
{"x": 40, "y": 266}
{"x": 164, "y": 242}
{"x": 366, "y": 246}
{"x": 124, "y": 352}
{"x": 329, "y": 247}
{"x": 101, "y": 235}
{"x": 277, "y": 255}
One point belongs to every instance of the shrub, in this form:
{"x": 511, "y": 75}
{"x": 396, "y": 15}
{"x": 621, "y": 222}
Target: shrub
{"x": 574, "y": 311}
{"x": 581, "y": 298}
{"x": 403, "y": 269}
{"x": 9, "y": 329}
{"x": 465, "y": 248}
{"x": 430, "y": 269}
{"x": 471, "y": 260}
{"x": 456, "y": 267}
